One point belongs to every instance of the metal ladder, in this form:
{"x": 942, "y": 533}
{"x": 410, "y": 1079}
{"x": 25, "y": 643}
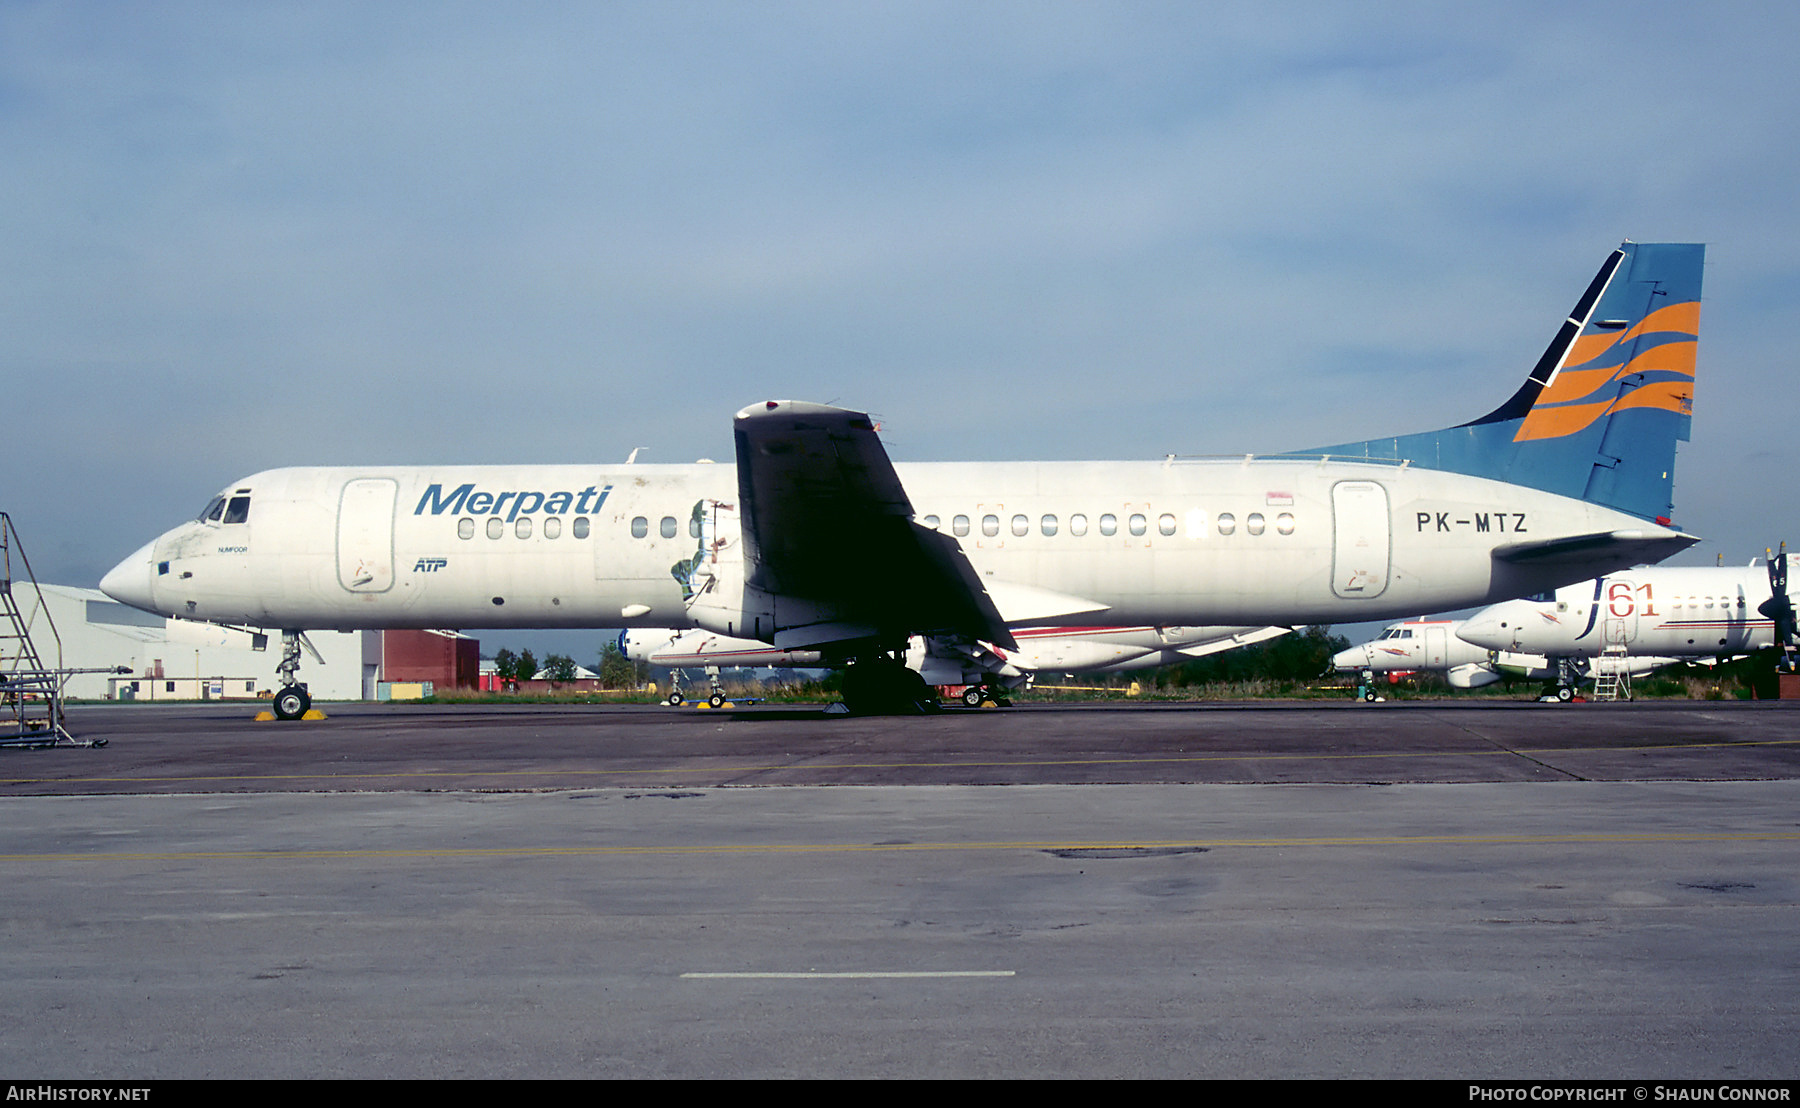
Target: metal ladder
{"x": 31, "y": 703}
{"x": 1612, "y": 674}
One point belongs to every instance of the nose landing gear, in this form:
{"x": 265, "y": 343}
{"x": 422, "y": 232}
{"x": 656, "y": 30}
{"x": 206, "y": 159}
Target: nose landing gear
{"x": 292, "y": 700}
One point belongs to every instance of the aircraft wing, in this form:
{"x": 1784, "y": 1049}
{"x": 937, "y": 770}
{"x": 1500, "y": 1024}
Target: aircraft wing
{"x": 827, "y": 523}
{"x": 1601, "y": 547}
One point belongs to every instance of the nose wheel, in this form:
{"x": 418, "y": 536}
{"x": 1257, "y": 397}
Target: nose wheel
{"x": 292, "y": 702}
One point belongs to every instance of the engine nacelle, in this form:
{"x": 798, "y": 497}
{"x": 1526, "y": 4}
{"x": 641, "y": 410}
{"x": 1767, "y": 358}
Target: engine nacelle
{"x": 1472, "y": 675}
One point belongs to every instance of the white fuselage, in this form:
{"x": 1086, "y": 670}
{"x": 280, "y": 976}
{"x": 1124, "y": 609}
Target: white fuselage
{"x": 1213, "y": 542}
{"x": 1669, "y": 611}
{"x": 1412, "y": 646}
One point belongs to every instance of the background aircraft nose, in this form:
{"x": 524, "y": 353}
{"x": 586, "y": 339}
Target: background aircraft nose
{"x": 1485, "y": 631}
{"x": 129, "y": 581}
{"x": 1354, "y": 658}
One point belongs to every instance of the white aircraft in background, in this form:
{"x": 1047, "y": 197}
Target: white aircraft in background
{"x": 999, "y": 670}
{"x": 816, "y": 541}
{"x": 1433, "y": 646}
{"x": 1672, "y": 612}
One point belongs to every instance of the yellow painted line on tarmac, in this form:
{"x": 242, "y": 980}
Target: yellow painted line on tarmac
{"x": 806, "y": 764}
{"x": 779, "y": 849}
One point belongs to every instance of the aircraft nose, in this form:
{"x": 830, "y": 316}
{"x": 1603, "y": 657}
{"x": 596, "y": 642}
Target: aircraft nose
{"x": 1486, "y": 631}
{"x": 129, "y": 581}
{"x": 1354, "y": 658}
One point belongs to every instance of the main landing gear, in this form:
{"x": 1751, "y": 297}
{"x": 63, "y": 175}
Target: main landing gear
{"x": 882, "y": 686}
{"x": 1563, "y": 680}
{"x": 292, "y": 699}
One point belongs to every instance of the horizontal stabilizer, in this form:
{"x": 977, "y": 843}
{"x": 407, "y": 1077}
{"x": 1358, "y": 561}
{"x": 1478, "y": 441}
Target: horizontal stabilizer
{"x": 1610, "y": 548}
{"x": 1261, "y": 634}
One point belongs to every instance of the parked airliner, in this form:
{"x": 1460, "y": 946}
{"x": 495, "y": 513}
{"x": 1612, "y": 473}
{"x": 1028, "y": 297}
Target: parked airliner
{"x": 1672, "y": 612}
{"x": 1433, "y": 646}
{"x": 816, "y": 540}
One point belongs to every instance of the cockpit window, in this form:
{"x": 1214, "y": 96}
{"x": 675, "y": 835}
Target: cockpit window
{"x": 238, "y": 511}
{"x": 214, "y": 508}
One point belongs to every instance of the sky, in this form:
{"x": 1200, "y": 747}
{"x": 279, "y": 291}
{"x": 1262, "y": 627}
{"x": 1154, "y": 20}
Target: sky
{"x": 244, "y": 236}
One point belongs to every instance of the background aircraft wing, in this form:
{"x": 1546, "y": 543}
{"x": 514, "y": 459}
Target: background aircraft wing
{"x": 826, "y": 521}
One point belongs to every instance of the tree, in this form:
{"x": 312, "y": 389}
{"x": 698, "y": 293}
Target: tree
{"x": 559, "y": 667}
{"x": 506, "y": 663}
{"x": 616, "y": 670}
{"x": 1301, "y": 656}
{"x": 527, "y": 667}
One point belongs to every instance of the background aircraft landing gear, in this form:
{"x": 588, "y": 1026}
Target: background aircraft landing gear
{"x": 1563, "y": 681}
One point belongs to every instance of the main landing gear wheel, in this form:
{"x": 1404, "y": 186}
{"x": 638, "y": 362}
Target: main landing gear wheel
{"x": 1564, "y": 693}
{"x": 675, "y": 699}
{"x": 974, "y": 695}
{"x": 291, "y": 702}
{"x": 716, "y": 700}
{"x": 886, "y": 688}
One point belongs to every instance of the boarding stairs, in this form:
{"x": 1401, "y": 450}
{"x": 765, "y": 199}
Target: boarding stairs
{"x": 31, "y": 693}
{"x": 1612, "y": 671}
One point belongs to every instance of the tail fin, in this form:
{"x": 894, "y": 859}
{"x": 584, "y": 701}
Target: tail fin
{"x": 1600, "y": 414}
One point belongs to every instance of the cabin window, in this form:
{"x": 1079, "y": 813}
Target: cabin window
{"x": 960, "y": 526}
{"x": 1165, "y": 523}
{"x": 465, "y": 528}
{"x": 238, "y": 511}
{"x": 523, "y": 527}
{"x": 639, "y": 527}
{"x": 580, "y": 529}
{"x": 1078, "y": 524}
{"x": 1109, "y": 524}
{"x": 1253, "y": 523}
{"x": 1284, "y": 523}
{"x": 1021, "y": 525}
{"x": 552, "y": 527}
{"x": 1138, "y": 523}
{"x": 1048, "y": 525}
{"x": 1227, "y": 523}
{"x": 932, "y": 522}
{"x": 496, "y": 527}
{"x": 668, "y": 527}
{"x": 990, "y": 525}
